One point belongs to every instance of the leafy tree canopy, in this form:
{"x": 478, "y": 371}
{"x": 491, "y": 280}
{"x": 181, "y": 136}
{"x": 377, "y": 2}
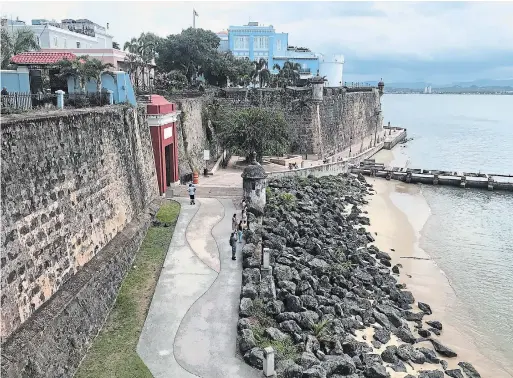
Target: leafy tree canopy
{"x": 252, "y": 130}
{"x": 20, "y": 40}
{"x": 189, "y": 52}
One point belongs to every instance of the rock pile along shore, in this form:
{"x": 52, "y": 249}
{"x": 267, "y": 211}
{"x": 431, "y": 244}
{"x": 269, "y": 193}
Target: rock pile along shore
{"x": 328, "y": 284}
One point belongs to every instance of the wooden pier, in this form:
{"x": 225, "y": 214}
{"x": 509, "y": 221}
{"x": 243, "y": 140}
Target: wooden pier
{"x": 436, "y": 177}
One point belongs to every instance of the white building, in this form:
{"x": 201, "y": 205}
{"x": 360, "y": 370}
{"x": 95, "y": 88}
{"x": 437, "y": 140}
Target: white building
{"x": 68, "y": 34}
{"x": 332, "y": 67}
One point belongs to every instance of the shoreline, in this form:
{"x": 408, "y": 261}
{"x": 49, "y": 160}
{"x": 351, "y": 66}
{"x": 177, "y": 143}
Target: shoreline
{"x": 398, "y": 213}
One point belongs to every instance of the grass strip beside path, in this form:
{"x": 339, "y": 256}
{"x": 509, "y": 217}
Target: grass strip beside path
{"x": 113, "y": 353}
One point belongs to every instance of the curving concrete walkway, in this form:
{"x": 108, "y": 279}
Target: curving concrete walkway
{"x": 191, "y": 327}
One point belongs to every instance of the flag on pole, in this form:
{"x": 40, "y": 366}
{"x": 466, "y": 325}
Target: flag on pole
{"x": 195, "y": 13}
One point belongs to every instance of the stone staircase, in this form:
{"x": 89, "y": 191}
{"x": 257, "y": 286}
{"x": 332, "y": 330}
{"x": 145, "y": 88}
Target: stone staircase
{"x": 205, "y": 192}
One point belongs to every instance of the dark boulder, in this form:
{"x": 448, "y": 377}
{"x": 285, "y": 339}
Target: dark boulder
{"x": 425, "y": 308}
{"x": 245, "y": 307}
{"x": 342, "y": 365}
{"x": 255, "y": 358}
{"x": 435, "y": 331}
{"x": 382, "y": 335}
{"x": 405, "y": 335}
{"x": 435, "y": 324}
{"x": 376, "y": 371}
{"x": 429, "y": 354}
{"x": 247, "y": 341}
{"x": 290, "y": 326}
{"x": 389, "y": 354}
{"x": 275, "y": 334}
{"x": 424, "y": 332}
{"x": 399, "y": 367}
{"x": 293, "y": 304}
{"x": 455, "y": 373}
{"x": 442, "y": 349}
{"x": 307, "y": 360}
{"x": 469, "y": 370}
{"x": 315, "y": 372}
{"x": 431, "y": 374}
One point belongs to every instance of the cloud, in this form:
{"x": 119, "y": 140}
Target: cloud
{"x": 406, "y": 39}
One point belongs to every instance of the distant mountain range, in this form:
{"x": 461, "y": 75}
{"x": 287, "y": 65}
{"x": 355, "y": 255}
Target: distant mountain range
{"x": 481, "y": 83}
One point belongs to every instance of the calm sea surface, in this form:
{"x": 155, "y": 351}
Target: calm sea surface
{"x": 469, "y": 232}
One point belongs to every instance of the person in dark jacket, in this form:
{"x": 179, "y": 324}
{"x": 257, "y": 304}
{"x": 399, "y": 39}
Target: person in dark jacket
{"x": 233, "y": 244}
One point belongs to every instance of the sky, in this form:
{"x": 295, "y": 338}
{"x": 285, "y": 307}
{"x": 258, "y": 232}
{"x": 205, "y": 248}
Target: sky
{"x": 434, "y": 42}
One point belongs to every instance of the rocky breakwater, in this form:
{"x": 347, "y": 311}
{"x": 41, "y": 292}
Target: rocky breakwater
{"x": 330, "y": 305}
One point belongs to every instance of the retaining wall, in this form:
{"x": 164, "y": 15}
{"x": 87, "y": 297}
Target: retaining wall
{"x": 71, "y": 181}
{"x": 330, "y": 168}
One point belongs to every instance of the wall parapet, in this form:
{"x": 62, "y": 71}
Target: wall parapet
{"x": 329, "y": 168}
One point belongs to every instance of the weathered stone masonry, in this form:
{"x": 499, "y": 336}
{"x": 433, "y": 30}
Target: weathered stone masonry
{"x": 71, "y": 181}
{"x": 321, "y": 128}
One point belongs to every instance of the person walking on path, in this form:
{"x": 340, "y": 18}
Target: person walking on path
{"x": 240, "y": 228}
{"x": 233, "y": 244}
{"x": 192, "y": 191}
{"x": 234, "y": 223}
{"x": 244, "y": 217}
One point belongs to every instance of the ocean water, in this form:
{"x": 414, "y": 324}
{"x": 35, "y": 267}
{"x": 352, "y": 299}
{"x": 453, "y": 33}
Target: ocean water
{"x": 469, "y": 232}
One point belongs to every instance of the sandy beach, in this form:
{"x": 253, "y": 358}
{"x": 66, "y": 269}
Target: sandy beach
{"x": 397, "y": 215}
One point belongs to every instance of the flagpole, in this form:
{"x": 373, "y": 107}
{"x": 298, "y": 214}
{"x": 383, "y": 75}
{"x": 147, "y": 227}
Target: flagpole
{"x": 193, "y": 19}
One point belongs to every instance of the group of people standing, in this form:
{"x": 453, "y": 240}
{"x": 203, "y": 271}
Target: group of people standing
{"x": 238, "y": 225}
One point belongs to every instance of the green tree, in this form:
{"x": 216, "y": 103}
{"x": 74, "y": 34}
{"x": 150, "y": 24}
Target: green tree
{"x": 115, "y": 45}
{"x": 20, "y": 40}
{"x": 252, "y": 130}
{"x": 95, "y": 69}
{"x": 260, "y": 73}
{"x": 287, "y": 75}
{"x": 76, "y": 69}
{"x": 82, "y": 69}
{"x": 190, "y": 52}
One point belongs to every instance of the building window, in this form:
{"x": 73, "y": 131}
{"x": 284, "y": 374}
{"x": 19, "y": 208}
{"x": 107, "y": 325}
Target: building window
{"x": 38, "y": 41}
{"x": 55, "y": 42}
{"x": 278, "y": 45}
{"x": 261, "y": 43}
{"x": 78, "y": 45}
{"x": 241, "y": 43}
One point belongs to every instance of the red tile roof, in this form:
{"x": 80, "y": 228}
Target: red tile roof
{"x": 41, "y": 57}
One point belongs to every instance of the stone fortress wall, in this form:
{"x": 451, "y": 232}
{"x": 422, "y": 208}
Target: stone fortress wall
{"x": 323, "y": 128}
{"x": 71, "y": 181}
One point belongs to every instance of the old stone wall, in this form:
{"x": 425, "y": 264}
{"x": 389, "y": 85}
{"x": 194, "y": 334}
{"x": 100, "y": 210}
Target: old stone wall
{"x": 71, "y": 181}
{"x": 324, "y": 128}
{"x": 195, "y": 134}
{"x": 345, "y": 115}
{"x": 53, "y": 341}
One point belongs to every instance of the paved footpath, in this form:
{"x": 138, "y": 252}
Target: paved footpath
{"x": 191, "y": 327}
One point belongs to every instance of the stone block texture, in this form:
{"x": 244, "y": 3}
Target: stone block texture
{"x": 321, "y": 128}
{"x": 71, "y": 181}
{"x": 55, "y": 339}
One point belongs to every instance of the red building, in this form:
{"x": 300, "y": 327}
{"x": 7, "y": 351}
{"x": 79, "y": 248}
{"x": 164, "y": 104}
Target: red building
{"x": 162, "y": 116}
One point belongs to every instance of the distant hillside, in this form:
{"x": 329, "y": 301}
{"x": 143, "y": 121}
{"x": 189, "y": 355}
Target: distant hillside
{"x": 481, "y": 83}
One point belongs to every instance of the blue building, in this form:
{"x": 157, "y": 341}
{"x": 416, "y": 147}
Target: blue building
{"x": 254, "y": 42}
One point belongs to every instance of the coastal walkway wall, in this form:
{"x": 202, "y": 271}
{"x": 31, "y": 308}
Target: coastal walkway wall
{"x": 329, "y": 168}
{"x": 323, "y": 128}
{"x": 78, "y": 192}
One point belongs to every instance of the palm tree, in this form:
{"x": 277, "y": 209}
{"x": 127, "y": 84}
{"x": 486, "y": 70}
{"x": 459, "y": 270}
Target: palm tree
{"x": 259, "y": 67}
{"x": 76, "y": 69}
{"x": 14, "y": 43}
{"x": 132, "y": 59}
{"x": 94, "y": 69}
{"x": 290, "y": 72}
